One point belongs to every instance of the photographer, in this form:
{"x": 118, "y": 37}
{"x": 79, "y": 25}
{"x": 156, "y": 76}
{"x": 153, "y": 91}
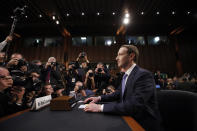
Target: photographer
{"x": 72, "y": 76}
{"x": 102, "y": 77}
{"x": 51, "y": 73}
{"x": 11, "y": 98}
{"x": 83, "y": 59}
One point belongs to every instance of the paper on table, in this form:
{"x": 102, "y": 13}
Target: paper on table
{"x": 82, "y": 106}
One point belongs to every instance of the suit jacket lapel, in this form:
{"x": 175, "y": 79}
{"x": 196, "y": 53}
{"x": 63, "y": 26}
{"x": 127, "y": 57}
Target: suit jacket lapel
{"x": 129, "y": 83}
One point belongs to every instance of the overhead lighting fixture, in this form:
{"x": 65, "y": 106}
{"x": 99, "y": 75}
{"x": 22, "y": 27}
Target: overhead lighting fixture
{"x": 113, "y": 13}
{"x": 127, "y": 15}
{"x": 82, "y": 13}
{"x": 156, "y": 39}
{"x": 53, "y": 17}
{"x": 142, "y": 13}
{"x": 98, "y": 13}
{"x": 188, "y": 12}
{"x": 173, "y": 12}
{"x": 26, "y": 16}
{"x": 126, "y": 21}
{"x": 11, "y": 17}
{"x": 67, "y": 14}
{"x": 83, "y": 38}
{"x": 57, "y": 22}
{"x": 157, "y": 13}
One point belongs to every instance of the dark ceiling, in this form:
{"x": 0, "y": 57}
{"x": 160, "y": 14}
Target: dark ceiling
{"x": 69, "y": 14}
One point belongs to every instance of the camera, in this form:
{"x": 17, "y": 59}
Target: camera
{"x": 91, "y": 74}
{"x": 18, "y": 81}
{"x": 83, "y": 54}
{"x": 53, "y": 63}
{"x": 99, "y": 70}
{"x": 79, "y": 89}
{"x": 36, "y": 86}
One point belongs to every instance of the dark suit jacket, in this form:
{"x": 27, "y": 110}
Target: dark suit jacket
{"x": 138, "y": 101}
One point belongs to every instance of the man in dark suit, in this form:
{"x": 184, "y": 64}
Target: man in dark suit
{"x": 136, "y": 95}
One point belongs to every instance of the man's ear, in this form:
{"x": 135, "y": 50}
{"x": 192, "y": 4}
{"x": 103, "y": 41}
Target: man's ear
{"x": 132, "y": 56}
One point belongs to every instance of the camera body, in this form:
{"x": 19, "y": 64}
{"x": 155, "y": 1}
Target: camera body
{"x": 83, "y": 54}
{"x": 91, "y": 74}
{"x": 99, "y": 70}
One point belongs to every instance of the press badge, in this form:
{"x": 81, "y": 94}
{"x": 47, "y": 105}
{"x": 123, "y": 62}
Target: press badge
{"x": 73, "y": 80}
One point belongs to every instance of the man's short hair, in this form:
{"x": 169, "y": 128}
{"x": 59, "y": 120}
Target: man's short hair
{"x": 132, "y": 49}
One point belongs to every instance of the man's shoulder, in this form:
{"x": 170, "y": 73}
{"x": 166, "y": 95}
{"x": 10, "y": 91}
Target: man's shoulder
{"x": 142, "y": 71}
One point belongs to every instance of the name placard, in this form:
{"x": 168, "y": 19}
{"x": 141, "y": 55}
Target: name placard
{"x": 41, "y": 102}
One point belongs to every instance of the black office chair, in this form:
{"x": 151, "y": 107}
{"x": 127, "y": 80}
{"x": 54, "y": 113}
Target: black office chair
{"x": 178, "y": 110}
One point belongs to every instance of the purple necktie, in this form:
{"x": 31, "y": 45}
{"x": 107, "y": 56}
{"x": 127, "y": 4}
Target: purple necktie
{"x": 123, "y": 83}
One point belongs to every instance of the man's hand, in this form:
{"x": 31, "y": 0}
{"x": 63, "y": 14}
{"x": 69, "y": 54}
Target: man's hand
{"x": 8, "y": 39}
{"x": 92, "y": 99}
{"x": 92, "y": 107}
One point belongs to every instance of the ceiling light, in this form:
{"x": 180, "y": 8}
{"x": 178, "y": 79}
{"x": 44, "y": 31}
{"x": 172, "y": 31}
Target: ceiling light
{"x": 67, "y": 14}
{"x": 142, "y": 13}
{"x": 83, "y": 38}
{"x": 82, "y": 13}
{"x": 113, "y": 13}
{"x": 126, "y": 21}
{"x": 156, "y": 39}
{"x": 53, "y": 17}
{"x": 127, "y": 15}
{"x": 40, "y": 16}
{"x": 57, "y": 22}
{"x": 157, "y": 13}
{"x": 98, "y": 13}
{"x": 173, "y": 12}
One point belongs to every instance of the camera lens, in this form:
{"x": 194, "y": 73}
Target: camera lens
{"x": 91, "y": 74}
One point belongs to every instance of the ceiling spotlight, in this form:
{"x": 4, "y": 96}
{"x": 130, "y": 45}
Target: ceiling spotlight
{"x": 156, "y": 39}
{"x": 98, "y": 13}
{"x": 57, "y": 22}
{"x": 83, "y": 38}
{"x": 40, "y": 16}
{"x": 67, "y": 14}
{"x": 53, "y": 17}
{"x": 113, "y": 13}
{"x": 82, "y": 13}
{"x": 157, "y": 13}
{"x": 142, "y": 13}
{"x": 173, "y": 12}
{"x": 127, "y": 15}
{"x": 126, "y": 21}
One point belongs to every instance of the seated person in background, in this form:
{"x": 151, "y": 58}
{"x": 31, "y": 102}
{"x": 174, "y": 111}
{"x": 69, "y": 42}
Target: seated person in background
{"x": 3, "y": 43}
{"x": 11, "y": 98}
{"x": 49, "y": 90}
{"x": 79, "y": 89}
{"x": 2, "y": 55}
{"x": 109, "y": 90}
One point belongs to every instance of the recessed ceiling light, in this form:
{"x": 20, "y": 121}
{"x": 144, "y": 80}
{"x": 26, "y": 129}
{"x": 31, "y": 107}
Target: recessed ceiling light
{"x": 173, "y": 12}
{"x": 53, "y": 17}
{"x": 127, "y": 15}
{"x": 57, "y": 22}
{"x": 126, "y": 21}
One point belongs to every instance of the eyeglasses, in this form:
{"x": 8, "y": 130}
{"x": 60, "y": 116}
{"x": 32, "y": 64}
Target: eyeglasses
{"x": 5, "y": 77}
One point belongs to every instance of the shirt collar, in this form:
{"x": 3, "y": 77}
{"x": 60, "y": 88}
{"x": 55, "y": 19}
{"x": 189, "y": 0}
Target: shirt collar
{"x": 128, "y": 72}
